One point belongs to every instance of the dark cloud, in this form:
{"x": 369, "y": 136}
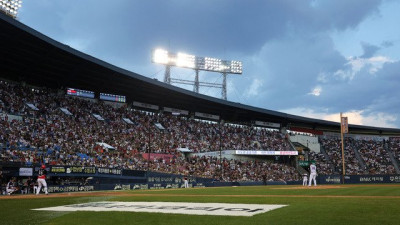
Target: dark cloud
{"x": 387, "y": 44}
{"x": 369, "y": 50}
{"x": 290, "y": 70}
{"x": 373, "y": 93}
{"x": 217, "y": 28}
{"x": 344, "y": 14}
{"x": 284, "y": 44}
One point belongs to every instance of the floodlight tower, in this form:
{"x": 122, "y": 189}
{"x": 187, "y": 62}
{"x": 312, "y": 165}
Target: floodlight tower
{"x": 224, "y": 86}
{"x": 10, "y": 7}
{"x": 196, "y": 63}
{"x": 167, "y": 75}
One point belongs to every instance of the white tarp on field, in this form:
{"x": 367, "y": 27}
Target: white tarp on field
{"x": 219, "y": 209}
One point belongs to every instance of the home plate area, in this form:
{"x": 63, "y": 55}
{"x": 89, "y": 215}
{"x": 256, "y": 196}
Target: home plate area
{"x": 220, "y": 209}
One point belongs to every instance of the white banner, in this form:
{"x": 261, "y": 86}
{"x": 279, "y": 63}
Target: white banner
{"x": 25, "y": 172}
{"x": 254, "y": 152}
{"x": 219, "y": 209}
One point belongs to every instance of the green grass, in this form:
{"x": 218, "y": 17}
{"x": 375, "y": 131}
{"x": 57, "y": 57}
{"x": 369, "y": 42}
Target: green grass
{"x": 305, "y": 206}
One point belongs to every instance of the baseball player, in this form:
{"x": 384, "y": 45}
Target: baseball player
{"x": 305, "y": 179}
{"x": 313, "y": 174}
{"x": 186, "y": 182}
{"x": 11, "y": 187}
{"x": 42, "y": 180}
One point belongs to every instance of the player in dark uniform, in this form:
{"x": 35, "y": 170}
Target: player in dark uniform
{"x": 42, "y": 180}
{"x": 11, "y": 187}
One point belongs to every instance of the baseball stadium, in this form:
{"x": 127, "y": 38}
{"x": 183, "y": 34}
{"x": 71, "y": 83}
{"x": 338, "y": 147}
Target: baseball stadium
{"x": 85, "y": 142}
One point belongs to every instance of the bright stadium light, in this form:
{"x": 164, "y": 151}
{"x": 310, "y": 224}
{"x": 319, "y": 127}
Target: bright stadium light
{"x": 183, "y": 60}
{"x": 10, "y": 7}
{"x": 160, "y": 56}
{"x": 195, "y": 62}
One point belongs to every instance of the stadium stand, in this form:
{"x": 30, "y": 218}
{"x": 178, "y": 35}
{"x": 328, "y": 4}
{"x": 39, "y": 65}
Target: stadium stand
{"x": 47, "y": 134}
{"x": 42, "y": 132}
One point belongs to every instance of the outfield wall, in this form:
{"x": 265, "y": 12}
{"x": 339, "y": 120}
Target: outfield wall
{"x": 119, "y": 179}
{"x": 358, "y": 179}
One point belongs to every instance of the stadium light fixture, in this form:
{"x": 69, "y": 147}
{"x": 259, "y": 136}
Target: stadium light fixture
{"x": 10, "y": 7}
{"x": 183, "y": 60}
{"x": 160, "y": 56}
{"x": 196, "y": 63}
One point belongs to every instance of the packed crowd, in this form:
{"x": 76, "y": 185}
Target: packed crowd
{"x": 333, "y": 148}
{"x": 49, "y": 135}
{"x": 394, "y": 146}
{"x": 372, "y": 153}
{"x": 376, "y": 157}
{"x": 325, "y": 166}
{"x": 46, "y": 134}
{"x": 227, "y": 170}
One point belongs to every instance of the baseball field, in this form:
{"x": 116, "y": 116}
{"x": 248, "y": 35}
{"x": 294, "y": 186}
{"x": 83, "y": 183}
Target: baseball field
{"x": 324, "y": 204}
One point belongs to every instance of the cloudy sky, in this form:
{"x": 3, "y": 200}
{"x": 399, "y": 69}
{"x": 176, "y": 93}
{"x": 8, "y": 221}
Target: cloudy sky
{"x": 313, "y": 58}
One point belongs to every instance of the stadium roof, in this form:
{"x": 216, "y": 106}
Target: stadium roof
{"x": 31, "y": 57}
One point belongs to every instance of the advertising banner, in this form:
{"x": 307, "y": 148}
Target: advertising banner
{"x": 112, "y": 171}
{"x": 70, "y": 188}
{"x": 72, "y": 169}
{"x": 330, "y": 179}
{"x": 358, "y": 179}
{"x": 254, "y": 152}
{"x": 25, "y": 172}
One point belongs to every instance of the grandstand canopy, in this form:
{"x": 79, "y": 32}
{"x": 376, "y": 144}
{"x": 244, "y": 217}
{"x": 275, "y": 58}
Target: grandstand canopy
{"x": 31, "y": 57}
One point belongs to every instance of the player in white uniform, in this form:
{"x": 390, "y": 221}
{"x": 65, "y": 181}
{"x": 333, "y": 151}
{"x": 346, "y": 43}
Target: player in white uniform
{"x": 186, "y": 182}
{"x": 305, "y": 179}
{"x": 313, "y": 175}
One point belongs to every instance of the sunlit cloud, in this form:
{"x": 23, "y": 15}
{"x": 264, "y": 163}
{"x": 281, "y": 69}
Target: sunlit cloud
{"x": 356, "y": 117}
{"x": 254, "y": 88}
{"x": 316, "y": 91}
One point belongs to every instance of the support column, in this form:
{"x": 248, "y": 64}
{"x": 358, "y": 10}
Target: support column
{"x": 167, "y": 74}
{"x": 224, "y": 87}
{"x": 196, "y": 82}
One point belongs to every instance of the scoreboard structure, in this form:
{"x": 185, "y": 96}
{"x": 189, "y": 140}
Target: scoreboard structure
{"x": 90, "y": 94}
{"x": 80, "y": 93}
{"x": 112, "y": 98}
